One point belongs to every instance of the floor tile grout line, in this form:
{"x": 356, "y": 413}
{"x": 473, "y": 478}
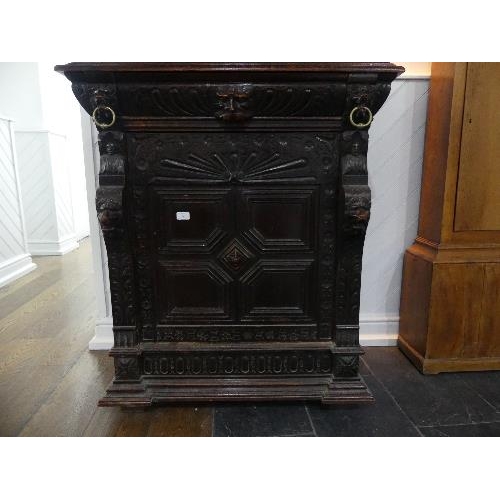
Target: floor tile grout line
{"x": 392, "y": 397}
{"x": 467, "y": 383}
{"x": 213, "y": 421}
{"x": 460, "y": 425}
{"x": 311, "y": 421}
{"x": 305, "y": 434}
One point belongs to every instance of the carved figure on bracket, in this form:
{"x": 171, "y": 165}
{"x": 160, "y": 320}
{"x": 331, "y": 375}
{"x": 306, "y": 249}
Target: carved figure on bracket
{"x": 109, "y": 208}
{"x": 353, "y": 161}
{"x": 357, "y": 209}
{"x": 112, "y": 157}
{"x": 357, "y": 197}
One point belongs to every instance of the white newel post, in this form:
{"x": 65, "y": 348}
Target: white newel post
{"x": 46, "y": 190}
{"x": 15, "y": 259}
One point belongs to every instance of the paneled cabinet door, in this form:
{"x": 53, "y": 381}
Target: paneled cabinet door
{"x": 233, "y": 253}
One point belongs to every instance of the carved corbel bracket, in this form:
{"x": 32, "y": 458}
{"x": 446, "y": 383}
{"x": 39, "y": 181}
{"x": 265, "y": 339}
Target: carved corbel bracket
{"x": 354, "y": 205}
{"x": 109, "y": 207}
{"x": 367, "y": 97}
{"x": 101, "y": 97}
{"x": 357, "y": 204}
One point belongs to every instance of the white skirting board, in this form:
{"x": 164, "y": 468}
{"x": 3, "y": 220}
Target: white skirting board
{"x": 14, "y": 268}
{"x": 378, "y": 330}
{"x": 53, "y": 247}
{"x": 81, "y": 235}
{"x": 103, "y": 335}
{"x": 374, "y": 331}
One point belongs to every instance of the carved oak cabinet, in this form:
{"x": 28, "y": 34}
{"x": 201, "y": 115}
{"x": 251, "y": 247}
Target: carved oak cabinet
{"x": 233, "y": 200}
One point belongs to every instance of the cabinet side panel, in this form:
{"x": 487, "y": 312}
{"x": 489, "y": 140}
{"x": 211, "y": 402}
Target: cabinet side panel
{"x": 456, "y": 299}
{"x": 489, "y": 339}
{"x": 478, "y": 192}
{"x": 415, "y": 293}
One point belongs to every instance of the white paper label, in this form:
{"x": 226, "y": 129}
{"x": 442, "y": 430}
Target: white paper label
{"x": 182, "y": 215}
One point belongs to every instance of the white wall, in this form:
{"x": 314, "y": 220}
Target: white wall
{"x": 20, "y": 95}
{"x": 395, "y": 157}
{"x": 395, "y": 168}
{"x": 47, "y": 124}
{"x": 15, "y": 260}
{"x": 63, "y": 117}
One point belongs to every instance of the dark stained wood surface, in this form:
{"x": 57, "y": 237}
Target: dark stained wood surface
{"x": 317, "y": 67}
{"x": 49, "y": 382}
{"x": 256, "y": 297}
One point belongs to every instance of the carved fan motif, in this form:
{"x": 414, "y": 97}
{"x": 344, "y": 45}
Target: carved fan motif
{"x": 237, "y": 169}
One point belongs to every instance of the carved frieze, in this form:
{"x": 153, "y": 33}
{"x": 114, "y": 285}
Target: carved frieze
{"x": 232, "y": 103}
{"x": 238, "y": 363}
{"x": 222, "y": 158}
{"x": 236, "y": 333}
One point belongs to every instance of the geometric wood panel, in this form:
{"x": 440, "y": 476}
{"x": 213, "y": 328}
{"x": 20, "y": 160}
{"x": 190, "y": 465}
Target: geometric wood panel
{"x": 281, "y": 220}
{"x": 490, "y": 324}
{"x": 190, "y": 220}
{"x": 193, "y": 290}
{"x": 456, "y": 335}
{"x": 280, "y": 290}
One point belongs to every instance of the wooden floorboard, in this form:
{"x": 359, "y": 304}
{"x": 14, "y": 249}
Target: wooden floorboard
{"x": 49, "y": 381}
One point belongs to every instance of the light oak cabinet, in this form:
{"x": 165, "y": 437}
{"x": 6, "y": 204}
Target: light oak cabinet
{"x": 450, "y": 302}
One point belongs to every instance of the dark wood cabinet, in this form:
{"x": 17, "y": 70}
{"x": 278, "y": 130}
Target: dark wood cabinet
{"x": 234, "y": 203}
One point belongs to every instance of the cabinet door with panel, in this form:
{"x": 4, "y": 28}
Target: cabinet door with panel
{"x": 233, "y": 200}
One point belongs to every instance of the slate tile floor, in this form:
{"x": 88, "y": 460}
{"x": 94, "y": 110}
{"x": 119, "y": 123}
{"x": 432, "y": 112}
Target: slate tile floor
{"x": 408, "y": 404}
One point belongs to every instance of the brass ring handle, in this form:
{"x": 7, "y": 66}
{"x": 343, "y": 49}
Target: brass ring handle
{"x": 361, "y": 125}
{"x": 104, "y": 125}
